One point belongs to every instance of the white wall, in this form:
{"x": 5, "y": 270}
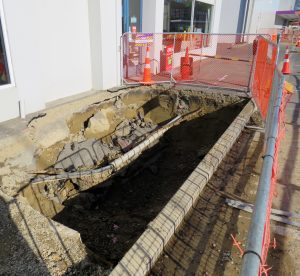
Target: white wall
{"x": 264, "y": 13}
{"x": 286, "y": 5}
{"x": 153, "y": 16}
{"x": 216, "y": 16}
{"x": 50, "y": 52}
{"x": 65, "y": 48}
{"x": 229, "y": 16}
{"x": 105, "y": 19}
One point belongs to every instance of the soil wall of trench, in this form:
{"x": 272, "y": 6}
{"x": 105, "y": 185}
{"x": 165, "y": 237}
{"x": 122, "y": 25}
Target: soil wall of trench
{"x": 113, "y": 213}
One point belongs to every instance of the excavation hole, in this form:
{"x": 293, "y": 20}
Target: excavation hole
{"x": 113, "y": 214}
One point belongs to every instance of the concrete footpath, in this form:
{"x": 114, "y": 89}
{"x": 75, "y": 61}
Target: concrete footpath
{"x": 288, "y": 184}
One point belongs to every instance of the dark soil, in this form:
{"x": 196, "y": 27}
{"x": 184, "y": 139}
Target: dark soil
{"x": 111, "y": 219}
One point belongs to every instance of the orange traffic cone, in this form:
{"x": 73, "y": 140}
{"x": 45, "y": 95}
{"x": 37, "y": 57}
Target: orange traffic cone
{"x": 147, "y": 69}
{"x": 298, "y": 43}
{"x": 186, "y": 66}
{"x": 286, "y": 63}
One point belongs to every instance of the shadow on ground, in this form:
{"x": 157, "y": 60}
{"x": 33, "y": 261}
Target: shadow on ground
{"x": 202, "y": 246}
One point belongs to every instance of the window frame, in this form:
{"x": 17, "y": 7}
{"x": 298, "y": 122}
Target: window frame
{"x": 192, "y": 15}
{"x": 7, "y": 50}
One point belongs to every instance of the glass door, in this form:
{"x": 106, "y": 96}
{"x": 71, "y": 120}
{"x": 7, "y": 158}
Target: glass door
{"x": 132, "y": 15}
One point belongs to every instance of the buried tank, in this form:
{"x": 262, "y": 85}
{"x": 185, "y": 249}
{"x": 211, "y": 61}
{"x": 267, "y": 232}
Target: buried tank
{"x": 132, "y": 156}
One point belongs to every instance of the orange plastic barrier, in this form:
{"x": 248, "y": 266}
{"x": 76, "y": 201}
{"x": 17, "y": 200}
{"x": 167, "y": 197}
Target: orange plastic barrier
{"x": 265, "y": 63}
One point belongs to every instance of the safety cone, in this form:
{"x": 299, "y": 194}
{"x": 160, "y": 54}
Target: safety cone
{"x": 186, "y": 66}
{"x": 298, "y": 43}
{"x": 286, "y": 63}
{"x": 147, "y": 69}
{"x": 274, "y": 38}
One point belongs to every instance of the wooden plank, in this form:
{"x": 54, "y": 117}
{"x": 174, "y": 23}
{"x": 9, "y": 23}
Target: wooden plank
{"x": 276, "y": 215}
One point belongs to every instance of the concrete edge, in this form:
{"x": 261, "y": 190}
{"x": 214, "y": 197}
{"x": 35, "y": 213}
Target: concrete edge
{"x": 142, "y": 256}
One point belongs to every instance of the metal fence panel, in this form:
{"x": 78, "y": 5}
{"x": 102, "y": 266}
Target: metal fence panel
{"x": 220, "y": 60}
{"x": 265, "y": 63}
{"x": 134, "y": 51}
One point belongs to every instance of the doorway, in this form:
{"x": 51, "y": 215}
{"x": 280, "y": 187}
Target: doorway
{"x": 132, "y": 11}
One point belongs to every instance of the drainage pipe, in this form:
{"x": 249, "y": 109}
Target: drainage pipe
{"x": 252, "y": 255}
{"x": 120, "y": 162}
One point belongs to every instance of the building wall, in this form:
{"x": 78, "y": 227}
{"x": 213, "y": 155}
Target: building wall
{"x": 286, "y": 5}
{"x": 50, "y": 52}
{"x": 216, "y": 15}
{"x": 264, "y": 14}
{"x": 61, "y": 48}
{"x": 105, "y": 19}
{"x": 229, "y": 16}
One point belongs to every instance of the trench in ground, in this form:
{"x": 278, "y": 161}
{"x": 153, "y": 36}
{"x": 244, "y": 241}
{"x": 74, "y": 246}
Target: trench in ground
{"x": 111, "y": 216}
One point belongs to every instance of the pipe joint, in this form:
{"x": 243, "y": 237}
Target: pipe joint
{"x": 252, "y": 252}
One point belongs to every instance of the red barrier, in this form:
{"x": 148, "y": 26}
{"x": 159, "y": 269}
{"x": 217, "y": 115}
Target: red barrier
{"x": 264, "y": 66}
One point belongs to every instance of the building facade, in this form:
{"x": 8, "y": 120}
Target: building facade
{"x": 255, "y": 16}
{"x": 53, "y": 49}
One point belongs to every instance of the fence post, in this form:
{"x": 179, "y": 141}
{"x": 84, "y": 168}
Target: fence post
{"x": 273, "y": 95}
{"x": 171, "y": 75}
{"x": 252, "y": 255}
{"x": 252, "y": 70}
{"x": 121, "y": 60}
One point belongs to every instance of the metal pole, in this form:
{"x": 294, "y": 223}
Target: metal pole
{"x": 171, "y": 75}
{"x": 192, "y": 17}
{"x": 121, "y": 60}
{"x": 252, "y": 254}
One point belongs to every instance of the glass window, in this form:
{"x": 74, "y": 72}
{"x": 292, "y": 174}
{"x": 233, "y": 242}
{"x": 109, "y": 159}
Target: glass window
{"x": 4, "y": 72}
{"x": 132, "y": 19}
{"x": 134, "y": 15}
{"x": 177, "y": 16}
{"x": 202, "y": 17}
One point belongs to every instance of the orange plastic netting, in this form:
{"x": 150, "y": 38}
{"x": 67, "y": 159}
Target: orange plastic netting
{"x": 264, "y": 67}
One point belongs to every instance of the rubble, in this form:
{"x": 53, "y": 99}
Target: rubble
{"x": 55, "y": 132}
{"x": 98, "y": 124}
{"x": 84, "y": 154}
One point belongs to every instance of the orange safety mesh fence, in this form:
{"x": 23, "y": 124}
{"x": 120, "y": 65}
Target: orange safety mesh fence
{"x": 280, "y": 135}
{"x": 264, "y": 66}
{"x": 223, "y": 61}
{"x": 273, "y": 32}
{"x": 134, "y": 52}
{"x": 290, "y": 36}
{"x": 220, "y": 60}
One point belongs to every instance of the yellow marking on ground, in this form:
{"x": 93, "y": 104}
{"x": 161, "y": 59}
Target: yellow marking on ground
{"x": 289, "y": 87}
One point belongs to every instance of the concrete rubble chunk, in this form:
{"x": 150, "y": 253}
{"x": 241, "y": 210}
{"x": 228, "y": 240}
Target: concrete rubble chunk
{"x": 54, "y": 133}
{"x": 123, "y": 129}
{"x": 5, "y": 170}
{"x": 98, "y": 124}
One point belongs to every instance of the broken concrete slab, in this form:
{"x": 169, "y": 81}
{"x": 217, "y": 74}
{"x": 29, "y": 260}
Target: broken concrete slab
{"x": 31, "y": 244}
{"x": 123, "y": 129}
{"x": 54, "y": 133}
{"x": 98, "y": 124}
